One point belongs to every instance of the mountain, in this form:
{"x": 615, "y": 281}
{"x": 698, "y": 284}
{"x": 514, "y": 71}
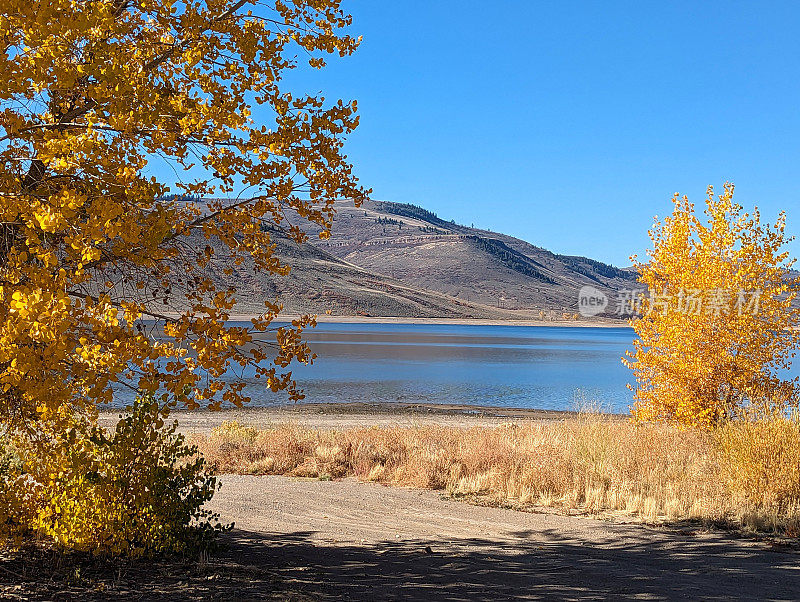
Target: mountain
{"x": 397, "y": 260}
{"x": 321, "y": 282}
{"x": 494, "y": 272}
{"x": 388, "y": 259}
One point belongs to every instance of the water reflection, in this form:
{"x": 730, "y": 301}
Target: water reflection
{"x": 541, "y": 367}
{"x": 513, "y": 366}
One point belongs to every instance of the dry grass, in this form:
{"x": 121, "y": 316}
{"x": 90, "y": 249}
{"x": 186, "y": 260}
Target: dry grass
{"x": 746, "y": 475}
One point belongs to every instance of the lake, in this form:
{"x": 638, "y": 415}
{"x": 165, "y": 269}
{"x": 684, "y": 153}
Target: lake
{"x": 510, "y": 366}
{"x": 542, "y": 367}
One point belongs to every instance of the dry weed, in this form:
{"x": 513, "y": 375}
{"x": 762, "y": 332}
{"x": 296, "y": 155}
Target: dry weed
{"x": 747, "y": 474}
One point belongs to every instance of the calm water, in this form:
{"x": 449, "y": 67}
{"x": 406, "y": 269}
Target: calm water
{"x": 512, "y": 366}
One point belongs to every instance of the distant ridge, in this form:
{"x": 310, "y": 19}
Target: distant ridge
{"x": 412, "y": 245}
{"x": 389, "y": 259}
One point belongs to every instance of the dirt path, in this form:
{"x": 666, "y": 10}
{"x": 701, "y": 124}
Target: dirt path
{"x": 360, "y": 541}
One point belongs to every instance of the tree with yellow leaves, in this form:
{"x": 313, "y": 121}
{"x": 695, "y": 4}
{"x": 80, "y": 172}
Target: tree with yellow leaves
{"x": 719, "y": 323}
{"x": 91, "y": 93}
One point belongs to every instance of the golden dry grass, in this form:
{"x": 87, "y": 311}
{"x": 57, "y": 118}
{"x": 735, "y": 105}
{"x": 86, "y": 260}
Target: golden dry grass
{"x": 744, "y": 474}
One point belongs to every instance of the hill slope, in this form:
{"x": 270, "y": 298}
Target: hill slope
{"x": 421, "y": 250}
{"x": 320, "y": 282}
{"x": 395, "y": 260}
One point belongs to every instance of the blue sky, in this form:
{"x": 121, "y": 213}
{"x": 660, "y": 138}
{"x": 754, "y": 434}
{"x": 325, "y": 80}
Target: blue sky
{"x": 571, "y": 124}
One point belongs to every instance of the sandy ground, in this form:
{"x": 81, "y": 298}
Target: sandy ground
{"x": 353, "y": 415}
{"x": 300, "y": 539}
{"x": 346, "y": 540}
{"x": 361, "y": 541}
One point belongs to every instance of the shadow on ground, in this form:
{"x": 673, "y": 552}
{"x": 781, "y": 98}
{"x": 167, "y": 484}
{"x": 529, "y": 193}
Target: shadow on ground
{"x": 295, "y": 566}
{"x": 549, "y": 568}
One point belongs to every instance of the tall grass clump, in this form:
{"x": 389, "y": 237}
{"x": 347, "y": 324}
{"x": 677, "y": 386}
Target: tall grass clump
{"x": 760, "y": 465}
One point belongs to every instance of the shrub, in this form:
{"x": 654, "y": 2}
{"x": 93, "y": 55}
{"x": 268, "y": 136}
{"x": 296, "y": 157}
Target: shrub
{"x": 16, "y": 492}
{"x": 136, "y": 492}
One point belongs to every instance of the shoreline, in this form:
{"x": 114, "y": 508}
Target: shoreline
{"x": 350, "y": 415}
{"x": 323, "y": 319}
